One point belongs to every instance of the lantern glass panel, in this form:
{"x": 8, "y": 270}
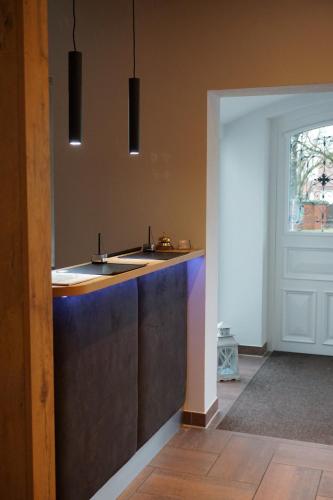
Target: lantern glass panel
{"x": 227, "y": 359}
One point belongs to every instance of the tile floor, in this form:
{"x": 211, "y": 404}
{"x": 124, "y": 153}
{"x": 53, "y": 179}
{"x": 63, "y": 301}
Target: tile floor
{"x": 214, "y": 464}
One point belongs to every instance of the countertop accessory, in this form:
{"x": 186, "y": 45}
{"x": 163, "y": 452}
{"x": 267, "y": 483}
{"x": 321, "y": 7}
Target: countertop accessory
{"x": 164, "y": 243}
{"x": 150, "y": 246}
{"x": 184, "y": 244}
{"x": 133, "y": 101}
{"x": 74, "y": 91}
{"x": 64, "y": 278}
{"x": 99, "y": 258}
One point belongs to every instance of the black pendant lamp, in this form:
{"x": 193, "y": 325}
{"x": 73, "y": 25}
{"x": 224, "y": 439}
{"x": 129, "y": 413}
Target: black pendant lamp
{"x": 133, "y": 101}
{"x": 74, "y": 91}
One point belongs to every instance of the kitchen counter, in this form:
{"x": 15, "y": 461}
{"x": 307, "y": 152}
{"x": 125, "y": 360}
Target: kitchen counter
{"x": 107, "y": 281}
{"x": 120, "y": 365}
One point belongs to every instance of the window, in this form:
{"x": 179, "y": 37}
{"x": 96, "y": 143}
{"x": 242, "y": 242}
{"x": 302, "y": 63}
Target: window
{"x": 311, "y": 180}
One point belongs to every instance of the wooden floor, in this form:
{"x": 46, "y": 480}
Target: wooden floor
{"x": 221, "y": 465}
{"x": 213, "y": 464}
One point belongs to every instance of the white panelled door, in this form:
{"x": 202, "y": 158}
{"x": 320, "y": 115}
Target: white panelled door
{"x": 301, "y": 232}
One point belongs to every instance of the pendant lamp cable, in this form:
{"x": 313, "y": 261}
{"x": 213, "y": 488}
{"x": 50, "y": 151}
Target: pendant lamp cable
{"x": 133, "y": 29}
{"x": 74, "y": 25}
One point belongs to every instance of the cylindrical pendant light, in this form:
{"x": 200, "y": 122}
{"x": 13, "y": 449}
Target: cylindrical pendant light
{"x": 133, "y": 114}
{"x": 74, "y": 97}
{"x": 134, "y": 102}
{"x": 74, "y": 91}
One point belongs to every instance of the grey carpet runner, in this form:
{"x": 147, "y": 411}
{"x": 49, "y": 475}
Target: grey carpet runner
{"x": 291, "y": 397}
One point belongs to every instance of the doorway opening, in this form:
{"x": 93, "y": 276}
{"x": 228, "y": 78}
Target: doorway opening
{"x": 275, "y": 230}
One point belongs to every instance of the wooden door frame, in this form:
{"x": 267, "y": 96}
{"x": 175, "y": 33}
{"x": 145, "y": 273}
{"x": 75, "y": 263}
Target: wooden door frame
{"x": 26, "y": 348}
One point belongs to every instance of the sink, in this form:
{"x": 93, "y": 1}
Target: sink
{"x": 153, "y": 255}
{"x": 107, "y": 269}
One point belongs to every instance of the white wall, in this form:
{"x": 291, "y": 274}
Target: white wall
{"x": 244, "y": 211}
{"x": 212, "y": 245}
{"x": 203, "y": 283}
{"x": 242, "y": 204}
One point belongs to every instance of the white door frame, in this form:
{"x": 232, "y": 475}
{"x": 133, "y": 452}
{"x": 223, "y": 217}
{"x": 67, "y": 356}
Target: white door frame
{"x": 281, "y": 283}
{"x": 213, "y": 157}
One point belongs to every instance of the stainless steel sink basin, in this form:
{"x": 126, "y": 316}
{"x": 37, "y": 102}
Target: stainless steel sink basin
{"x": 153, "y": 255}
{"x": 107, "y": 269}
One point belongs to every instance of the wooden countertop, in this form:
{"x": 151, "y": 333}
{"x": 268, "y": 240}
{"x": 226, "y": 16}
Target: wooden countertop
{"x": 106, "y": 281}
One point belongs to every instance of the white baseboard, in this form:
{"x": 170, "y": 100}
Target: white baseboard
{"x": 119, "y": 482}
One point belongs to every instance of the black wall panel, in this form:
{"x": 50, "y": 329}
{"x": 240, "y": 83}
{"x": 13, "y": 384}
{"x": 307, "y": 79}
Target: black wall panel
{"x": 162, "y": 347}
{"x": 120, "y": 374}
{"x": 96, "y": 393}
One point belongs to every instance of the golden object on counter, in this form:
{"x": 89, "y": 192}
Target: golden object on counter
{"x": 164, "y": 243}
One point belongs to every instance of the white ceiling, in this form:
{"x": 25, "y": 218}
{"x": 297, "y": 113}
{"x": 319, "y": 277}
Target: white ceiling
{"x": 235, "y": 107}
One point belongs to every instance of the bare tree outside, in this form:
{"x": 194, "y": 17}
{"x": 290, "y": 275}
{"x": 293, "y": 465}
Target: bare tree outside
{"x": 311, "y": 180}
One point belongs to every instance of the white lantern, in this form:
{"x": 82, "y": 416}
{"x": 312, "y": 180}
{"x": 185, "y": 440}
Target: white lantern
{"x": 227, "y": 354}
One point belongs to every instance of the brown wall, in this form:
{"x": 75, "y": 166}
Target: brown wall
{"x": 184, "y": 48}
